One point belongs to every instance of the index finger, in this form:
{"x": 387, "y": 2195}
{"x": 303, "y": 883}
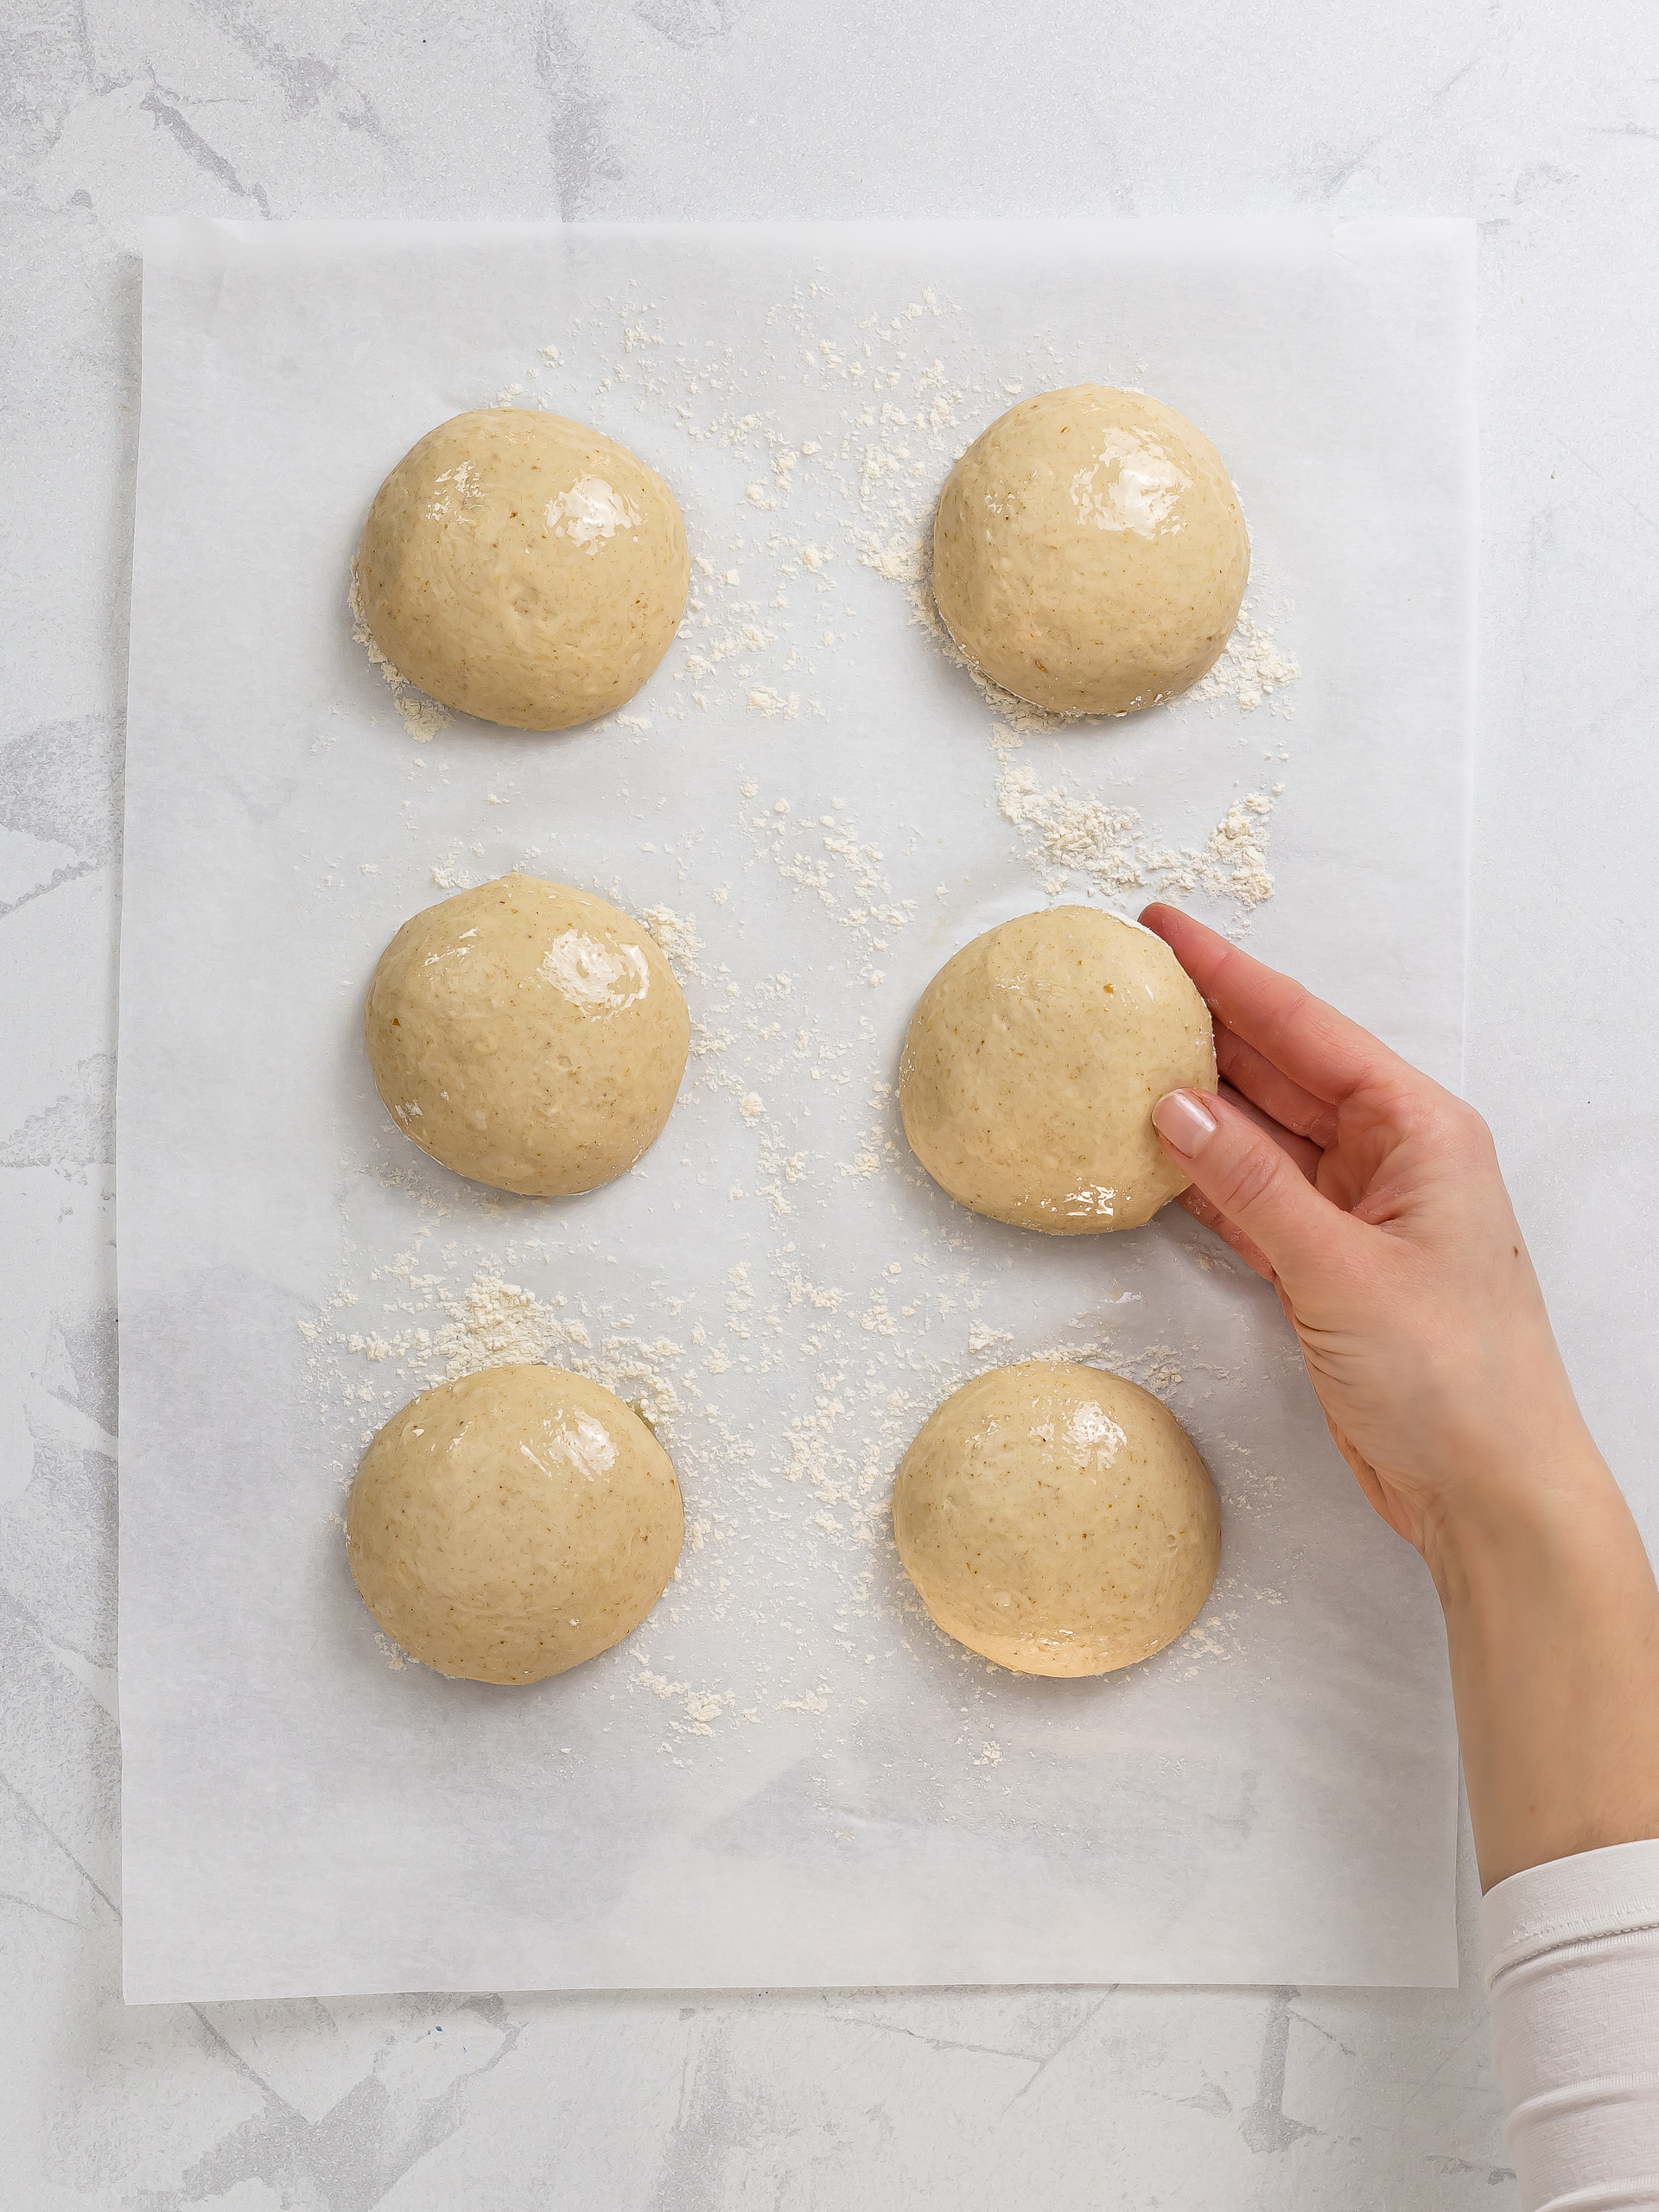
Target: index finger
{"x": 1321, "y": 1048}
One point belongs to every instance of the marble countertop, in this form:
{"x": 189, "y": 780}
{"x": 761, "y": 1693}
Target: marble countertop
{"x": 1543, "y": 124}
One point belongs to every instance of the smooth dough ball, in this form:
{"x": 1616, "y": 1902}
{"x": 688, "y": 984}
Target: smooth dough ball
{"x": 512, "y": 1524}
{"x": 1057, "y": 1520}
{"x": 528, "y": 1035}
{"x": 1089, "y": 551}
{"x": 1034, "y": 1061}
{"x": 523, "y": 568}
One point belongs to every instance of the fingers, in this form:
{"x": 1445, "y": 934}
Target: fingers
{"x": 1265, "y": 1087}
{"x": 1318, "y": 1048}
{"x": 1253, "y": 1183}
{"x": 1306, "y": 1154}
{"x": 1199, "y": 1207}
{"x": 1306, "y": 1157}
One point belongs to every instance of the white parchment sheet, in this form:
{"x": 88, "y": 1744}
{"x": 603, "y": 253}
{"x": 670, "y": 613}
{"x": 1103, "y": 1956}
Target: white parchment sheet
{"x": 787, "y": 1775}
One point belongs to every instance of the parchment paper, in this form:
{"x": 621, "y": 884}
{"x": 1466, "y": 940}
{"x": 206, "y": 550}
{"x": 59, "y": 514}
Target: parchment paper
{"x": 787, "y": 1775}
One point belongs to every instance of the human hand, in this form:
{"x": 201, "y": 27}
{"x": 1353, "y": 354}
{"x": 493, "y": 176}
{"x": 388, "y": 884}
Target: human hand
{"x": 1371, "y": 1199}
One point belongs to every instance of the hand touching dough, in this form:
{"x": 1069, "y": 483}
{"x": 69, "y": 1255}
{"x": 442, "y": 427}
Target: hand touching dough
{"x": 1033, "y": 1064}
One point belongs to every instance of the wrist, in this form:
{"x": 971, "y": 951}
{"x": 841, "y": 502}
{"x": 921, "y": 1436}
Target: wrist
{"x": 1523, "y": 1508}
{"x": 1511, "y": 1459}
{"x": 1552, "y": 1627}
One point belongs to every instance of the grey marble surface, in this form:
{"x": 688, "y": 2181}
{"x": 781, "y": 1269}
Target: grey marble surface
{"x": 1541, "y": 121}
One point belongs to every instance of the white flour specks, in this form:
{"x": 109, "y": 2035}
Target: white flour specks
{"x": 677, "y": 936}
{"x": 839, "y": 1299}
{"x": 763, "y": 700}
{"x": 1251, "y": 670}
{"x": 421, "y": 717}
{"x": 1065, "y": 837}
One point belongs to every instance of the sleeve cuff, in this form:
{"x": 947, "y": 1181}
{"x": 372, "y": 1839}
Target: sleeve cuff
{"x": 1594, "y": 1893}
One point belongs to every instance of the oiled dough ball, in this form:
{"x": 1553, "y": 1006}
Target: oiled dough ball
{"x": 1034, "y": 1061}
{"x": 1089, "y": 551}
{"x": 1057, "y": 1520}
{"x": 523, "y": 568}
{"x": 528, "y": 1035}
{"x": 512, "y": 1524}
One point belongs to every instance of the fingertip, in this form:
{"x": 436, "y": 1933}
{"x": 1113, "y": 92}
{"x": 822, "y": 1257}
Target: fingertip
{"x": 1185, "y": 1124}
{"x": 1159, "y": 919}
{"x": 1185, "y": 936}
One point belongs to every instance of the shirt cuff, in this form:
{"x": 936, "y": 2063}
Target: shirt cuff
{"x": 1568, "y": 1901}
{"x": 1572, "y": 1964}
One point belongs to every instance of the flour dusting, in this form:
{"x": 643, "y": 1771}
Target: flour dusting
{"x": 775, "y": 1286}
{"x": 1110, "y": 848}
{"x": 423, "y": 718}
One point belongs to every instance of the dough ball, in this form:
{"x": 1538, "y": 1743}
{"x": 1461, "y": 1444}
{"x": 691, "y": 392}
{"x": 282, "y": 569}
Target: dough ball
{"x": 1034, "y": 1061}
{"x": 512, "y": 1524}
{"x": 1057, "y": 1520}
{"x": 523, "y": 568}
{"x": 1089, "y": 552}
{"x": 527, "y": 1035}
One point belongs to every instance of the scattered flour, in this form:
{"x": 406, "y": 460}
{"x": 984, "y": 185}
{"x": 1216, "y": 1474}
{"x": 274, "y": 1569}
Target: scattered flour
{"x": 677, "y": 936}
{"x": 788, "y": 1570}
{"x": 421, "y": 717}
{"x": 1251, "y": 670}
{"x": 1109, "y": 846}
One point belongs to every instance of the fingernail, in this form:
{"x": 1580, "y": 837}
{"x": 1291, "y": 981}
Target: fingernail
{"x": 1178, "y": 1116}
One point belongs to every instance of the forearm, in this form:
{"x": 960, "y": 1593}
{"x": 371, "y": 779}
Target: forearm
{"x": 1552, "y": 1622}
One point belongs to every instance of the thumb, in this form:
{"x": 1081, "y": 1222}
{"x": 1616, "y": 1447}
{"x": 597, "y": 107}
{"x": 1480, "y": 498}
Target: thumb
{"x": 1252, "y": 1182}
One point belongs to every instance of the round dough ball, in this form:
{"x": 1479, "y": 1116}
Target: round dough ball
{"x": 1089, "y": 551}
{"x": 512, "y": 1524}
{"x": 528, "y": 1035}
{"x": 1034, "y": 1061}
{"x": 523, "y": 568}
{"x": 1057, "y": 1520}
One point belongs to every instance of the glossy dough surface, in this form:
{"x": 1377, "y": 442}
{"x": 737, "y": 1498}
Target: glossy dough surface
{"x": 1057, "y": 1519}
{"x": 1032, "y": 1062}
{"x": 1089, "y": 553}
{"x": 527, "y": 1034}
{"x": 523, "y": 568}
{"x": 512, "y": 1524}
